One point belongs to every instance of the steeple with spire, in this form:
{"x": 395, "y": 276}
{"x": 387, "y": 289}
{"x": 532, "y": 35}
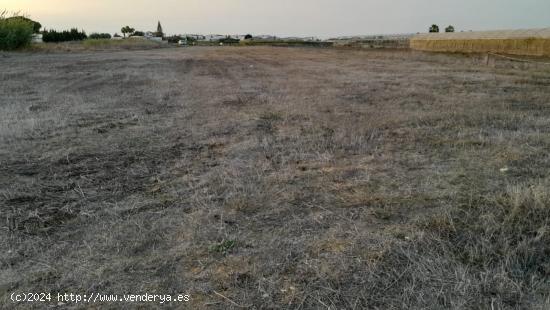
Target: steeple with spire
{"x": 159, "y": 32}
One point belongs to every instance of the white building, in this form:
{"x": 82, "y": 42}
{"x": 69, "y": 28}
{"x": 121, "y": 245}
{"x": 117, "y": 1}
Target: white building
{"x": 214, "y": 37}
{"x": 198, "y": 37}
{"x": 265, "y": 37}
{"x": 37, "y": 38}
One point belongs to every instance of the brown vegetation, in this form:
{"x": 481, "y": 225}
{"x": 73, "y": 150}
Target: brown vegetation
{"x": 528, "y": 42}
{"x": 276, "y": 178}
{"x": 97, "y": 45}
{"x": 528, "y": 47}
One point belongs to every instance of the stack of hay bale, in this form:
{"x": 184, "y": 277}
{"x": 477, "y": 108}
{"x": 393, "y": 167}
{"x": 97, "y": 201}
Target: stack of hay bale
{"x": 529, "y": 42}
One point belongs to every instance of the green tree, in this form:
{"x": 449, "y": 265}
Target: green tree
{"x": 14, "y": 33}
{"x": 450, "y": 29}
{"x": 97, "y": 36}
{"x": 248, "y": 37}
{"x": 434, "y": 28}
{"x": 127, "y": 30}
{"x": 62, "y": 36}
{"x": 35, "y": 25}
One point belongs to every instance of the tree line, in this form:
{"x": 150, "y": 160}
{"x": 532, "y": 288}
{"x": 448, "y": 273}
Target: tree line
{"x": 130, "y": 32}
{"x": 96, "y": 36}
{"x": 435, "y": 28}
{"x": 63, "y": 36}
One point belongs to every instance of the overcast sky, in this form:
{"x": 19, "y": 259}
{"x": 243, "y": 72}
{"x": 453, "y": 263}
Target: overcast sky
{"x": 322, "y": 18}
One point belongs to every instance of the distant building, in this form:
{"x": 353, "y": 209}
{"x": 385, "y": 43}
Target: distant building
{"x": 160, "y": 32}
{"x": 197, "y": 37}
{"x": 149, "y": 35}
{"x": 393, "y": 41}
{"x": 214, "y": 37}
{"x": 265, "y": 37}
{"x": 37, "y": 38}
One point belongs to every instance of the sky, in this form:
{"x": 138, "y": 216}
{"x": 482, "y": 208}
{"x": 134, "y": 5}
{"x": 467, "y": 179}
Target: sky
{"x": 322, "y": 18}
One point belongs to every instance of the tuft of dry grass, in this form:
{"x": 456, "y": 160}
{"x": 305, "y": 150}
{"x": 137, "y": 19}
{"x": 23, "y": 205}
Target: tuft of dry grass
{"x": 489, "y": 251}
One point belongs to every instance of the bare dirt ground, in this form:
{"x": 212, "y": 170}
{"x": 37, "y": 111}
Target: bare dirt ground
{"x": 266, "y": 177}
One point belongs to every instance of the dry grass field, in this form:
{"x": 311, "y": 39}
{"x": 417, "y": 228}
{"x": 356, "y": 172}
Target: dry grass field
{"x": 95, "y": 45}
{"x": 280, "y": 178}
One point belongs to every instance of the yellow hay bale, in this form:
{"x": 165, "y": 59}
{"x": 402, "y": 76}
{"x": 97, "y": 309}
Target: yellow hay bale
{"x": 526, "y": 42}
